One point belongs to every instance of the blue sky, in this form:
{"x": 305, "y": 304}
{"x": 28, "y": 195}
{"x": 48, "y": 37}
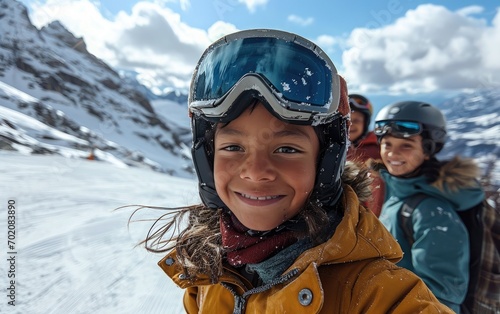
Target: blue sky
{"x": 393, "y": 47}
{"x": 315, "y": 17}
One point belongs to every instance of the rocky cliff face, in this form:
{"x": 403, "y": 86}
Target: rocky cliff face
{"x": 49, "y": 75}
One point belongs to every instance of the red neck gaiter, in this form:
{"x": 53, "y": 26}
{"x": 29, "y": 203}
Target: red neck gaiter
{"x": 241, "y": 248}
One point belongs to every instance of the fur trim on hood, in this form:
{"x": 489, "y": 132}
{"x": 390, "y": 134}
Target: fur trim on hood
{"x": 454, "y": 175}
{"x": 457, "y": 173}
{"x": 358, "y": 177}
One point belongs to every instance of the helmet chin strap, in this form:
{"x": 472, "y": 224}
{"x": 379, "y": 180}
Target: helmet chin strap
{"x": 204, "y": 168}
{"x": 329, "y": 194}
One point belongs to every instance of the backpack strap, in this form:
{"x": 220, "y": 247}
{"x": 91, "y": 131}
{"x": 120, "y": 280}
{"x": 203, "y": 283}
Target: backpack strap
{"x": 405, "y": 213}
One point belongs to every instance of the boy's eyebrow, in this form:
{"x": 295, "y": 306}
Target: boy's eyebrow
{"x": 227, "y": 131}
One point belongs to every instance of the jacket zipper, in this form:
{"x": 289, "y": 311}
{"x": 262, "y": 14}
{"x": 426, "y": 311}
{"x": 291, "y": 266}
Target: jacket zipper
{"x": 241, "y": 300}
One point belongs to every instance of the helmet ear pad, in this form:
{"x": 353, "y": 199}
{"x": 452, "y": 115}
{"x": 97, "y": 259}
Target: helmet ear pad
{"x": 429, "y": 146}
{"x": 433, "y": 140}
{"x": 331, "y": 162}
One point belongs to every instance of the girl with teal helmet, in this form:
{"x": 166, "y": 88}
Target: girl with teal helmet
{"x": 411, "y": 133}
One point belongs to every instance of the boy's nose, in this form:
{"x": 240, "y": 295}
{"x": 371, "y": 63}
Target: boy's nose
{"x": 258, "y": 167}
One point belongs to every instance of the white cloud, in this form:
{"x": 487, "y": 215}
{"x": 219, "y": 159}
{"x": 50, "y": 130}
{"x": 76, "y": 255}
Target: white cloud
{"x": 220, "y": 29}
{"x": 470, "y": 10}
{"x": 300, "y": 20}
{"x": 326, "y": 40}
{"x": 253, "y": 4}
{"x": 151, "y": 39}
{"x": 330, "y": 45}
{"x": 430, "y": 48}
{"x": 490, "y": 43}
{"x": 184, "y": 4}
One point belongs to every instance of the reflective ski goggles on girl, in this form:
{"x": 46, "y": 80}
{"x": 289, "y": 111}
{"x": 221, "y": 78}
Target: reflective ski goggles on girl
{"x": 402, "y": 129}
{"x": 294, "y": 76}
{"x": 359, "y": 104}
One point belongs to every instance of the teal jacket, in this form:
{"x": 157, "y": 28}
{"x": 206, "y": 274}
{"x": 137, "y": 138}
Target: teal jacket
{"x": 440, "y": 252}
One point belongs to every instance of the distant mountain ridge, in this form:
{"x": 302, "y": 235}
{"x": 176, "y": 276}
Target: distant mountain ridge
{"x": 473, "y": 125}
{"x": 73, "y": 91}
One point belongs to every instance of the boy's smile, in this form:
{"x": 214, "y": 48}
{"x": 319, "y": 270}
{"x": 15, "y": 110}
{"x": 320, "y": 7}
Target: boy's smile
{"x": 264, "y": 168}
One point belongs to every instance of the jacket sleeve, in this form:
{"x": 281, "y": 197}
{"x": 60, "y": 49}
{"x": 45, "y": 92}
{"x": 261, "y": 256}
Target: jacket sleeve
{"x": 386, "y": 288}
{"x": 440, "y": 253}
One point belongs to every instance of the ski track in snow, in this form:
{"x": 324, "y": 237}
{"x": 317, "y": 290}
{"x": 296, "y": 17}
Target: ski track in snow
{"x": 75, "y": 252}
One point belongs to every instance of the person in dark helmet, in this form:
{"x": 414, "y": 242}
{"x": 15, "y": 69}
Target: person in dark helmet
{"x": 411, "y": 133}
{"x": 364, "y": 146}
{"x": 363, "y": 141}
{"x": 280, "y": 228}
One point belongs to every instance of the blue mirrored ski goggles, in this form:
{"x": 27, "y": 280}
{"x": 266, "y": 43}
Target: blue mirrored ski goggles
{"x": 402, "y": 129}
{"x": 295, "y": 77}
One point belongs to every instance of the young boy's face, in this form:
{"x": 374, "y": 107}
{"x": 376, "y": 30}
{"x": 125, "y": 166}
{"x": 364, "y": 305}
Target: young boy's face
{"x": 402, "y": 156}
{"x": 357, "y": 125}
{"x": 264, "y": 169}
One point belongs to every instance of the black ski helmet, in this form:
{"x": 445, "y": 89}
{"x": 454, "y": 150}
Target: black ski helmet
{"x": 209, "y": 105}
{"x": 361, "y": 104}
{"x": 429, "y": 117}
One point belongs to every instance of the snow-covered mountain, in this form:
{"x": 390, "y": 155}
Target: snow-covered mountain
{"x": 80, "y": 103}
{"x": 473, "y": 124}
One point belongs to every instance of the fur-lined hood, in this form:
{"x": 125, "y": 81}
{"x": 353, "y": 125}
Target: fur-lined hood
{"x": 457, "y": 182}
{"x": 457, "y": 174}
{"x": 357, "y": 176}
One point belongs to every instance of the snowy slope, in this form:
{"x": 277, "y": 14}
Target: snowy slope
{"x": 75, "y": 254}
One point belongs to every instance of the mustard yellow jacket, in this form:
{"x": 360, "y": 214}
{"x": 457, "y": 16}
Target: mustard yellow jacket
{"x": 353, "y": 272}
